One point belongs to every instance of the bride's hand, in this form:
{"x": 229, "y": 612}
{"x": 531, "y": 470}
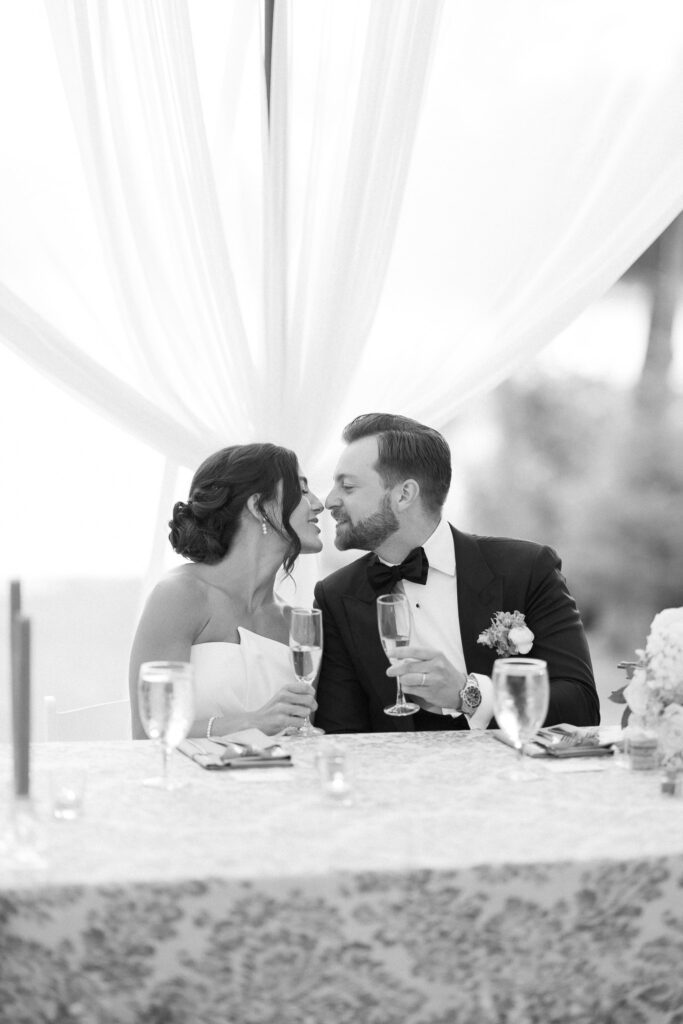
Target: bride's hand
{"x": 286, "y": 709}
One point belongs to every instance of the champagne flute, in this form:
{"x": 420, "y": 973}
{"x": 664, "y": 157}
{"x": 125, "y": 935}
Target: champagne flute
{"x": 166, "y": 708}
{"x": 395, "y": 622}
{"x": 520, "y": 702}
{"x": 306, "y": 651}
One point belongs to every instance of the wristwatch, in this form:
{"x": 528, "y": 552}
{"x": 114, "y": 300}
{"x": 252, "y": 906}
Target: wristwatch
{"x": 470, "y": 695}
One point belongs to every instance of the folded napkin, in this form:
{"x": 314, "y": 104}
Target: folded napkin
{"x": 573, "y": 741}
{"x": 224, "y": 752}
{"x": 568, "y": 741}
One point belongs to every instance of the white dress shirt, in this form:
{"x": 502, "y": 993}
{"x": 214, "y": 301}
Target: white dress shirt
{"x": 435, "y": 617}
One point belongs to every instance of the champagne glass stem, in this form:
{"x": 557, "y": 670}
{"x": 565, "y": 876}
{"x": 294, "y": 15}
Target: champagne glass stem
{"x": 523, "y": 771}
{"x": 400, "y": 696}
{"x": 164, "y": 764}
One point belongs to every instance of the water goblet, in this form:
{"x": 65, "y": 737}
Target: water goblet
{"x": 166, "y": 707}
{"x": 394, "y": 621}
{"x": 520, "y": 703}
{"x": 306, "y": 651}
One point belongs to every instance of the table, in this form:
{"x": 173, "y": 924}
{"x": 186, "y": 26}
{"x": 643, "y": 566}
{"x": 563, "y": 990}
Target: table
{"x": 444, "y": 894}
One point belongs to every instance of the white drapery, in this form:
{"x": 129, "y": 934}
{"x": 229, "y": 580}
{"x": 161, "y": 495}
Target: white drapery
{"x": 204, "y": 278}
{"x": 567, "y": 121}
{"x": 199, "y": 355}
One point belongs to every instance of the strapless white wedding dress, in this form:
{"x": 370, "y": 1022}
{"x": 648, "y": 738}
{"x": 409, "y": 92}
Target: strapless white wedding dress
{"x": 231, "y": 678}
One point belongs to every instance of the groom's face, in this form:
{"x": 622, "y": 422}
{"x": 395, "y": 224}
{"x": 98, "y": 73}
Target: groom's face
{"x": 360, "y": 502}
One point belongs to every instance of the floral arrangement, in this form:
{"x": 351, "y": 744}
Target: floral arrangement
{"x": 508, "y": 633}
{"x": 654, "y": 691}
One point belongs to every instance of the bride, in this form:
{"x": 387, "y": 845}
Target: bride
{"x": 249, "y": 512}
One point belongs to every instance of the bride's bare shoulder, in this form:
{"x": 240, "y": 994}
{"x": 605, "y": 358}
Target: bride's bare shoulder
{"x": 175, "y": 613}
{"x": 179, "y": 586}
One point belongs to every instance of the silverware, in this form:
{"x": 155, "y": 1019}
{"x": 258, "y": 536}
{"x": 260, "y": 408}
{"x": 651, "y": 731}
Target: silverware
{"x": 568, "y": 739}
{"x": 275, "y": 750}
{"x": 236, "y": 749}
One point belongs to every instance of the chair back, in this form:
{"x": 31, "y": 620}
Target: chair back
{"x": 98, "y": 722}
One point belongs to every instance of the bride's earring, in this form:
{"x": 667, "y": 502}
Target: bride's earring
{"x": 264, "y": 528}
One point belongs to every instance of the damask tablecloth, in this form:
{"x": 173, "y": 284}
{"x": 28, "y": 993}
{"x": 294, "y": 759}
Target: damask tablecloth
{"x": 444, "y": 893}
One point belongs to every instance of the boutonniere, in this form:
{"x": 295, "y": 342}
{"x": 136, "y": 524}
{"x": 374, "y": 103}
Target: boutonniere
{"x": 508, "y": 633}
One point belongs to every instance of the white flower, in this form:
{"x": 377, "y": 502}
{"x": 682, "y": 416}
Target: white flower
{"x": 664, "y": 649}
{"x": 637, "y": 693}
{"x": 655, "y": 692}
{"x": 670, "y": 733}
{"x": 522, "y": 638}
{"x": 668, "y": 622}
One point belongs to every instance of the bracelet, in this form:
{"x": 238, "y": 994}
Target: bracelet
{"x": 209, "y": 725}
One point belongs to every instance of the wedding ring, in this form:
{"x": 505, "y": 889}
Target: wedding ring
{"x": 424, "y": 679}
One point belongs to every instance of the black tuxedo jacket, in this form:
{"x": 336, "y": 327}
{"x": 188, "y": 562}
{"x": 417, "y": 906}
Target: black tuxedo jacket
{"x": 493, "y": 574}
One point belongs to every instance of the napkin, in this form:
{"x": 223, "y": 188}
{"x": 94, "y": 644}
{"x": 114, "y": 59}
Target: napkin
{"x": 573, "y": 741}
{"x": 567, "y": 741}
{"x": 236, "y": 751}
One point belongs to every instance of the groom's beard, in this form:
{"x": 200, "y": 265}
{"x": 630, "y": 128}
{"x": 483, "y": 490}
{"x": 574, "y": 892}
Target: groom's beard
{"x": 368, "y": 533}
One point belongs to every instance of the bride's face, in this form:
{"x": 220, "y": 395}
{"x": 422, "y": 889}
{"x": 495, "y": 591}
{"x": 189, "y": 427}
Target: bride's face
{"x": 304, "y": 519}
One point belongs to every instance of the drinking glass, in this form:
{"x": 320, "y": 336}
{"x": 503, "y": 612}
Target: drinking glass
{"x": 22, "y": 837}
{"x": 67, "y": 787}
{"x": 306, "y": 651}
{"x": 520, "y": 703}
{"x": 332, "y": 763}
{"x": 166, "y": 707}
{"x": 395, "y": 622}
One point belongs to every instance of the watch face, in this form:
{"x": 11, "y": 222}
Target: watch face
{"x": 471, "y": 697}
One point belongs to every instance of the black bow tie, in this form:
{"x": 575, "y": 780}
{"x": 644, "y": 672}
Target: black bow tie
{"x": 414, "y": 567}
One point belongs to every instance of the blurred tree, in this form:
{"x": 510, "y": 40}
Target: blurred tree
{"x": 660, "y": 268}
{"x": 598, "y": 473}
{"x": 548, "y": 431}
{"x": 648, "y": 457}
{"x": 576, "y": 469}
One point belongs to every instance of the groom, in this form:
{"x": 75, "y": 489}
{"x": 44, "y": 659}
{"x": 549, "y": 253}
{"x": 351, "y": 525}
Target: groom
{"x": 389, "y": 489}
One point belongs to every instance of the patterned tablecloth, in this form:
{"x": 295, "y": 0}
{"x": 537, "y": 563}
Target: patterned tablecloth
{"x": 444, "y": 893}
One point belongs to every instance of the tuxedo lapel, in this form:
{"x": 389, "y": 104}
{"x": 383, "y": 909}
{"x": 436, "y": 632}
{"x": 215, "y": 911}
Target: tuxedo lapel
{"x": 480, "y": 595}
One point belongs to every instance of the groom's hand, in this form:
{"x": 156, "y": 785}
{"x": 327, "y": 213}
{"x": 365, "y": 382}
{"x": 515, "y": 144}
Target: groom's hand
{"x": 429, "y": 677}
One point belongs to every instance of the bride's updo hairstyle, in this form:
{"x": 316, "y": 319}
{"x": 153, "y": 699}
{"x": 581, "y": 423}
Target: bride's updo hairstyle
{"x": 203, "y": 527}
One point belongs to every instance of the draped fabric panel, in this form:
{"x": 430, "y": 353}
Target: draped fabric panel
{"x": 441, "y": 187}
{"x": 212, "y": 354}
{"x": 566, "y": 131}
